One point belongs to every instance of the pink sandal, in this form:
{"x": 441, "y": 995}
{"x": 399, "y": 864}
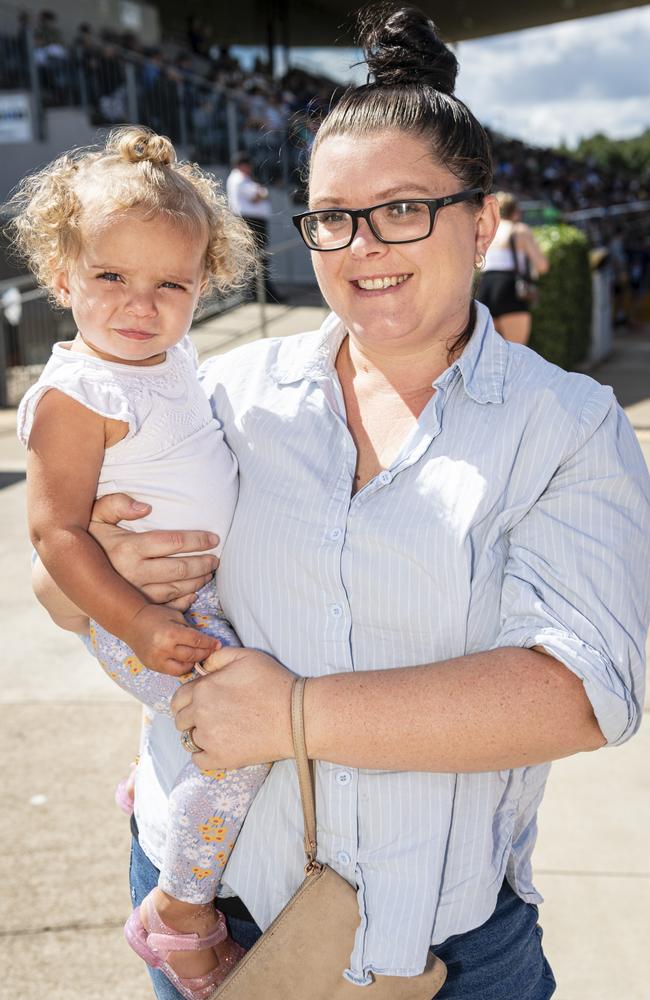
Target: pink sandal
{"x": 155, "y": 946}
{"x": 124, "y": 793}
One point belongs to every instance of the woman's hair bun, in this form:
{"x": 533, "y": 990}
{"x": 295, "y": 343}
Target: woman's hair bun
{"x": 401, "y": 45}
{"x": 137, "y": 144}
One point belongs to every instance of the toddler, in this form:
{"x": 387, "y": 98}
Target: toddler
{"x": 129, "y": 239}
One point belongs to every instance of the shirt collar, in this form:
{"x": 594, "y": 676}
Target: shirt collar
{"x": 313, "y": 356}
{"x": 482, "y": 364}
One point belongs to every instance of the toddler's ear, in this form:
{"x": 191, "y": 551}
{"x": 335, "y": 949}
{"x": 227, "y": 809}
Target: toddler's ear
{"x": 62, "y": 288}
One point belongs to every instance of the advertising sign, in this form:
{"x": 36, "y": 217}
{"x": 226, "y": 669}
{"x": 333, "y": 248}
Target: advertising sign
{"x": 15, "y": 118}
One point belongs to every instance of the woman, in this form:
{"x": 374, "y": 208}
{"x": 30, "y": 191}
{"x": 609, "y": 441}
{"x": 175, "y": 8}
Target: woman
{"x": 513, "y": 251}
{"x": 445, "y": 533}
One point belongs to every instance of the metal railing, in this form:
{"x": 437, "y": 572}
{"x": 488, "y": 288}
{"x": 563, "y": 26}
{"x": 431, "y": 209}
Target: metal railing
{"x": 14, "y": 56}
{"x": 29, "y": 326}
{"x": 610, "y": 211}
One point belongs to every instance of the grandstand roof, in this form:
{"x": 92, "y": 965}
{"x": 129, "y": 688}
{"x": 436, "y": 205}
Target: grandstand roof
{"x": 329, "y": 22}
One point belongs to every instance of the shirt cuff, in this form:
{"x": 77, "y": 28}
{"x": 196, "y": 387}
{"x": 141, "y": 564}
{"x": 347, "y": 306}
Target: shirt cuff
{"x": 615, "y": 709}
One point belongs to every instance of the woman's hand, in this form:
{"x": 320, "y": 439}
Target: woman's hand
{"x": 240, "y": 713}
{"x": 147, "y": 559}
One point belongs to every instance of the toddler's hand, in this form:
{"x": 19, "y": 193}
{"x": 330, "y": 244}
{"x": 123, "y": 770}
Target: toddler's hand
{"x": 163, "y": 641}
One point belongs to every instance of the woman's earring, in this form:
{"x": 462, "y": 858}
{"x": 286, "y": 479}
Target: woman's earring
{"x": 479, "y": 262}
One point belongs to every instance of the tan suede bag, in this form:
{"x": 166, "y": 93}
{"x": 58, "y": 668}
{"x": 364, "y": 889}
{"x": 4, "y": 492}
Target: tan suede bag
{"x": 303, "y": 953}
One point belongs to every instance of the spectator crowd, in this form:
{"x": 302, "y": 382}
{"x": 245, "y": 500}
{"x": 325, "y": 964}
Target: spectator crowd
{"x": 197, "y": 93}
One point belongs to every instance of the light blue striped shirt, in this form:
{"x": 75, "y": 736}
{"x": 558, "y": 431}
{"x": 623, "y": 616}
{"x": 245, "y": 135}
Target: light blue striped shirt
{"x": 515, "y": 514}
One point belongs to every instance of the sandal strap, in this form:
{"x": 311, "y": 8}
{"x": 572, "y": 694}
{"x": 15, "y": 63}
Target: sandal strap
{"x": 170, "y": 940}
{"x": 162, "y": 939}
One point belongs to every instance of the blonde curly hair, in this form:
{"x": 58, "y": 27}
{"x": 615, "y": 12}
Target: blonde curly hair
{"x": 135, "y": 170}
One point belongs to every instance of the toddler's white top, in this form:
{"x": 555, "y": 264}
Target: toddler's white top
{"x": 173, "y": 457}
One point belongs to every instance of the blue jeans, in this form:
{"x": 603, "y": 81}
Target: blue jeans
{"x": 500, "y": 960}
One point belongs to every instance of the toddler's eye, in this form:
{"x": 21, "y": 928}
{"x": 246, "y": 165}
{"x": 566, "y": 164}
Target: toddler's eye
{"x": 109, "y": 276}
{"x": 173, "y": 284}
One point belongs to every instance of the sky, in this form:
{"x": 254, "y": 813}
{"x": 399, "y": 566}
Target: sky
{"x": 547, "y": 85}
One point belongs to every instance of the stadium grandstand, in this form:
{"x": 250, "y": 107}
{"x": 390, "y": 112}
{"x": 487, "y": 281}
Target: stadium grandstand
{"x": 63, "y": 81}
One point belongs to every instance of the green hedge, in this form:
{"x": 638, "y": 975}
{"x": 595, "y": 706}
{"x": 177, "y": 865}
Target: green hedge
{"x": 562, "y": 316}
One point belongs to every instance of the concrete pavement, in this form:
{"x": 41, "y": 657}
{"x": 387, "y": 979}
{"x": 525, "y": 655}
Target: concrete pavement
{"x": 67, "y": 735}
{"x": 592, "y": 862}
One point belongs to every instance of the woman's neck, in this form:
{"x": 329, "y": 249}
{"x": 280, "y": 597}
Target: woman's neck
{"x": 408, "y": 371}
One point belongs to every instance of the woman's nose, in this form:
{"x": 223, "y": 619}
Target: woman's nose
{"x": 364, "y": 241}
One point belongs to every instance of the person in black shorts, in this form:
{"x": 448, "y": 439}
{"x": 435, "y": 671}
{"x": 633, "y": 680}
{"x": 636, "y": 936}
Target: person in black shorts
{"x": 497, "y": 284}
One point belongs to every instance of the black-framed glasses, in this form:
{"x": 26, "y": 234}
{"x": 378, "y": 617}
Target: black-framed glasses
{"x": 403, "y": 221}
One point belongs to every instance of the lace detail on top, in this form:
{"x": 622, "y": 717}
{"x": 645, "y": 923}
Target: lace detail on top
{"x": 129, "y": 393}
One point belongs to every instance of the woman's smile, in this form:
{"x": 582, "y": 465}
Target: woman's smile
{"x": 380, "y": 283}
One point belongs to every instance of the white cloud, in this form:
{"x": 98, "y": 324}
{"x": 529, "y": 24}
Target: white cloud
{"x": 562, "y": 81}
{"x": 548, "y": 123}
{"x": 549, "y": 84}
{"x": 339, "y": 64}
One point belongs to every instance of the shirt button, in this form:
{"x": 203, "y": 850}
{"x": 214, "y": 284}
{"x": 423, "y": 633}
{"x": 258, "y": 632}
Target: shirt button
{"x": 386, "y": 477}
{"x": 336, "y": 611}
{"x": 344, "y": 858}
{"x": 335, "y": 534}
{"x": 343, "y": 777}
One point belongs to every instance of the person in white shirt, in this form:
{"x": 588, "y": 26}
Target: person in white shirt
{"x": 251, "y": 201}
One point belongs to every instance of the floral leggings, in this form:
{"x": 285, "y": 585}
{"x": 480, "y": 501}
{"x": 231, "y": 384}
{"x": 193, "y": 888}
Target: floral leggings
{"x": 206, "y": 808}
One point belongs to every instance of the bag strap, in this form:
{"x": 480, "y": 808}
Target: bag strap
{"x": 304, "y": 772}
{"x": 518, "y": 273}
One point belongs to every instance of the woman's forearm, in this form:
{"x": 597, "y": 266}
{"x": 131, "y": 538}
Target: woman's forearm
{"x": 484, "y": 712}
{"x": 488, "y": 711}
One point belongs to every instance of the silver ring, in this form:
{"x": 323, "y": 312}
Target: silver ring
{"x": 188, "y": 743}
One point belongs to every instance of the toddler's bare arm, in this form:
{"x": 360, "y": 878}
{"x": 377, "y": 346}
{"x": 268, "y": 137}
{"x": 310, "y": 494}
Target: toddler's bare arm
{"x": 60, "y": 608}
{"x": 66, "y": 450}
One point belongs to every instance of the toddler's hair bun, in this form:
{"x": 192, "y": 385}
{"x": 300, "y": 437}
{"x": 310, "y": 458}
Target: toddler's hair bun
{"x": 137, "y": 144}
{"x": 401, "y": 46}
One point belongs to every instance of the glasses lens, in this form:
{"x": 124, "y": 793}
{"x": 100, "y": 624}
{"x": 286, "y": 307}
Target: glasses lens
{"x": 327, "y": 230}
{"x": 401, "y": 221}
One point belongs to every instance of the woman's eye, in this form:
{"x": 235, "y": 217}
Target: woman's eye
{"x": 332, "y": 218}
{"x": 402, "y": 208}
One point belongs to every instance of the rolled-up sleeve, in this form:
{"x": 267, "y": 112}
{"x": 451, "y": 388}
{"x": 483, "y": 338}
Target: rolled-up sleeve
{"x": 577, "y": 575}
